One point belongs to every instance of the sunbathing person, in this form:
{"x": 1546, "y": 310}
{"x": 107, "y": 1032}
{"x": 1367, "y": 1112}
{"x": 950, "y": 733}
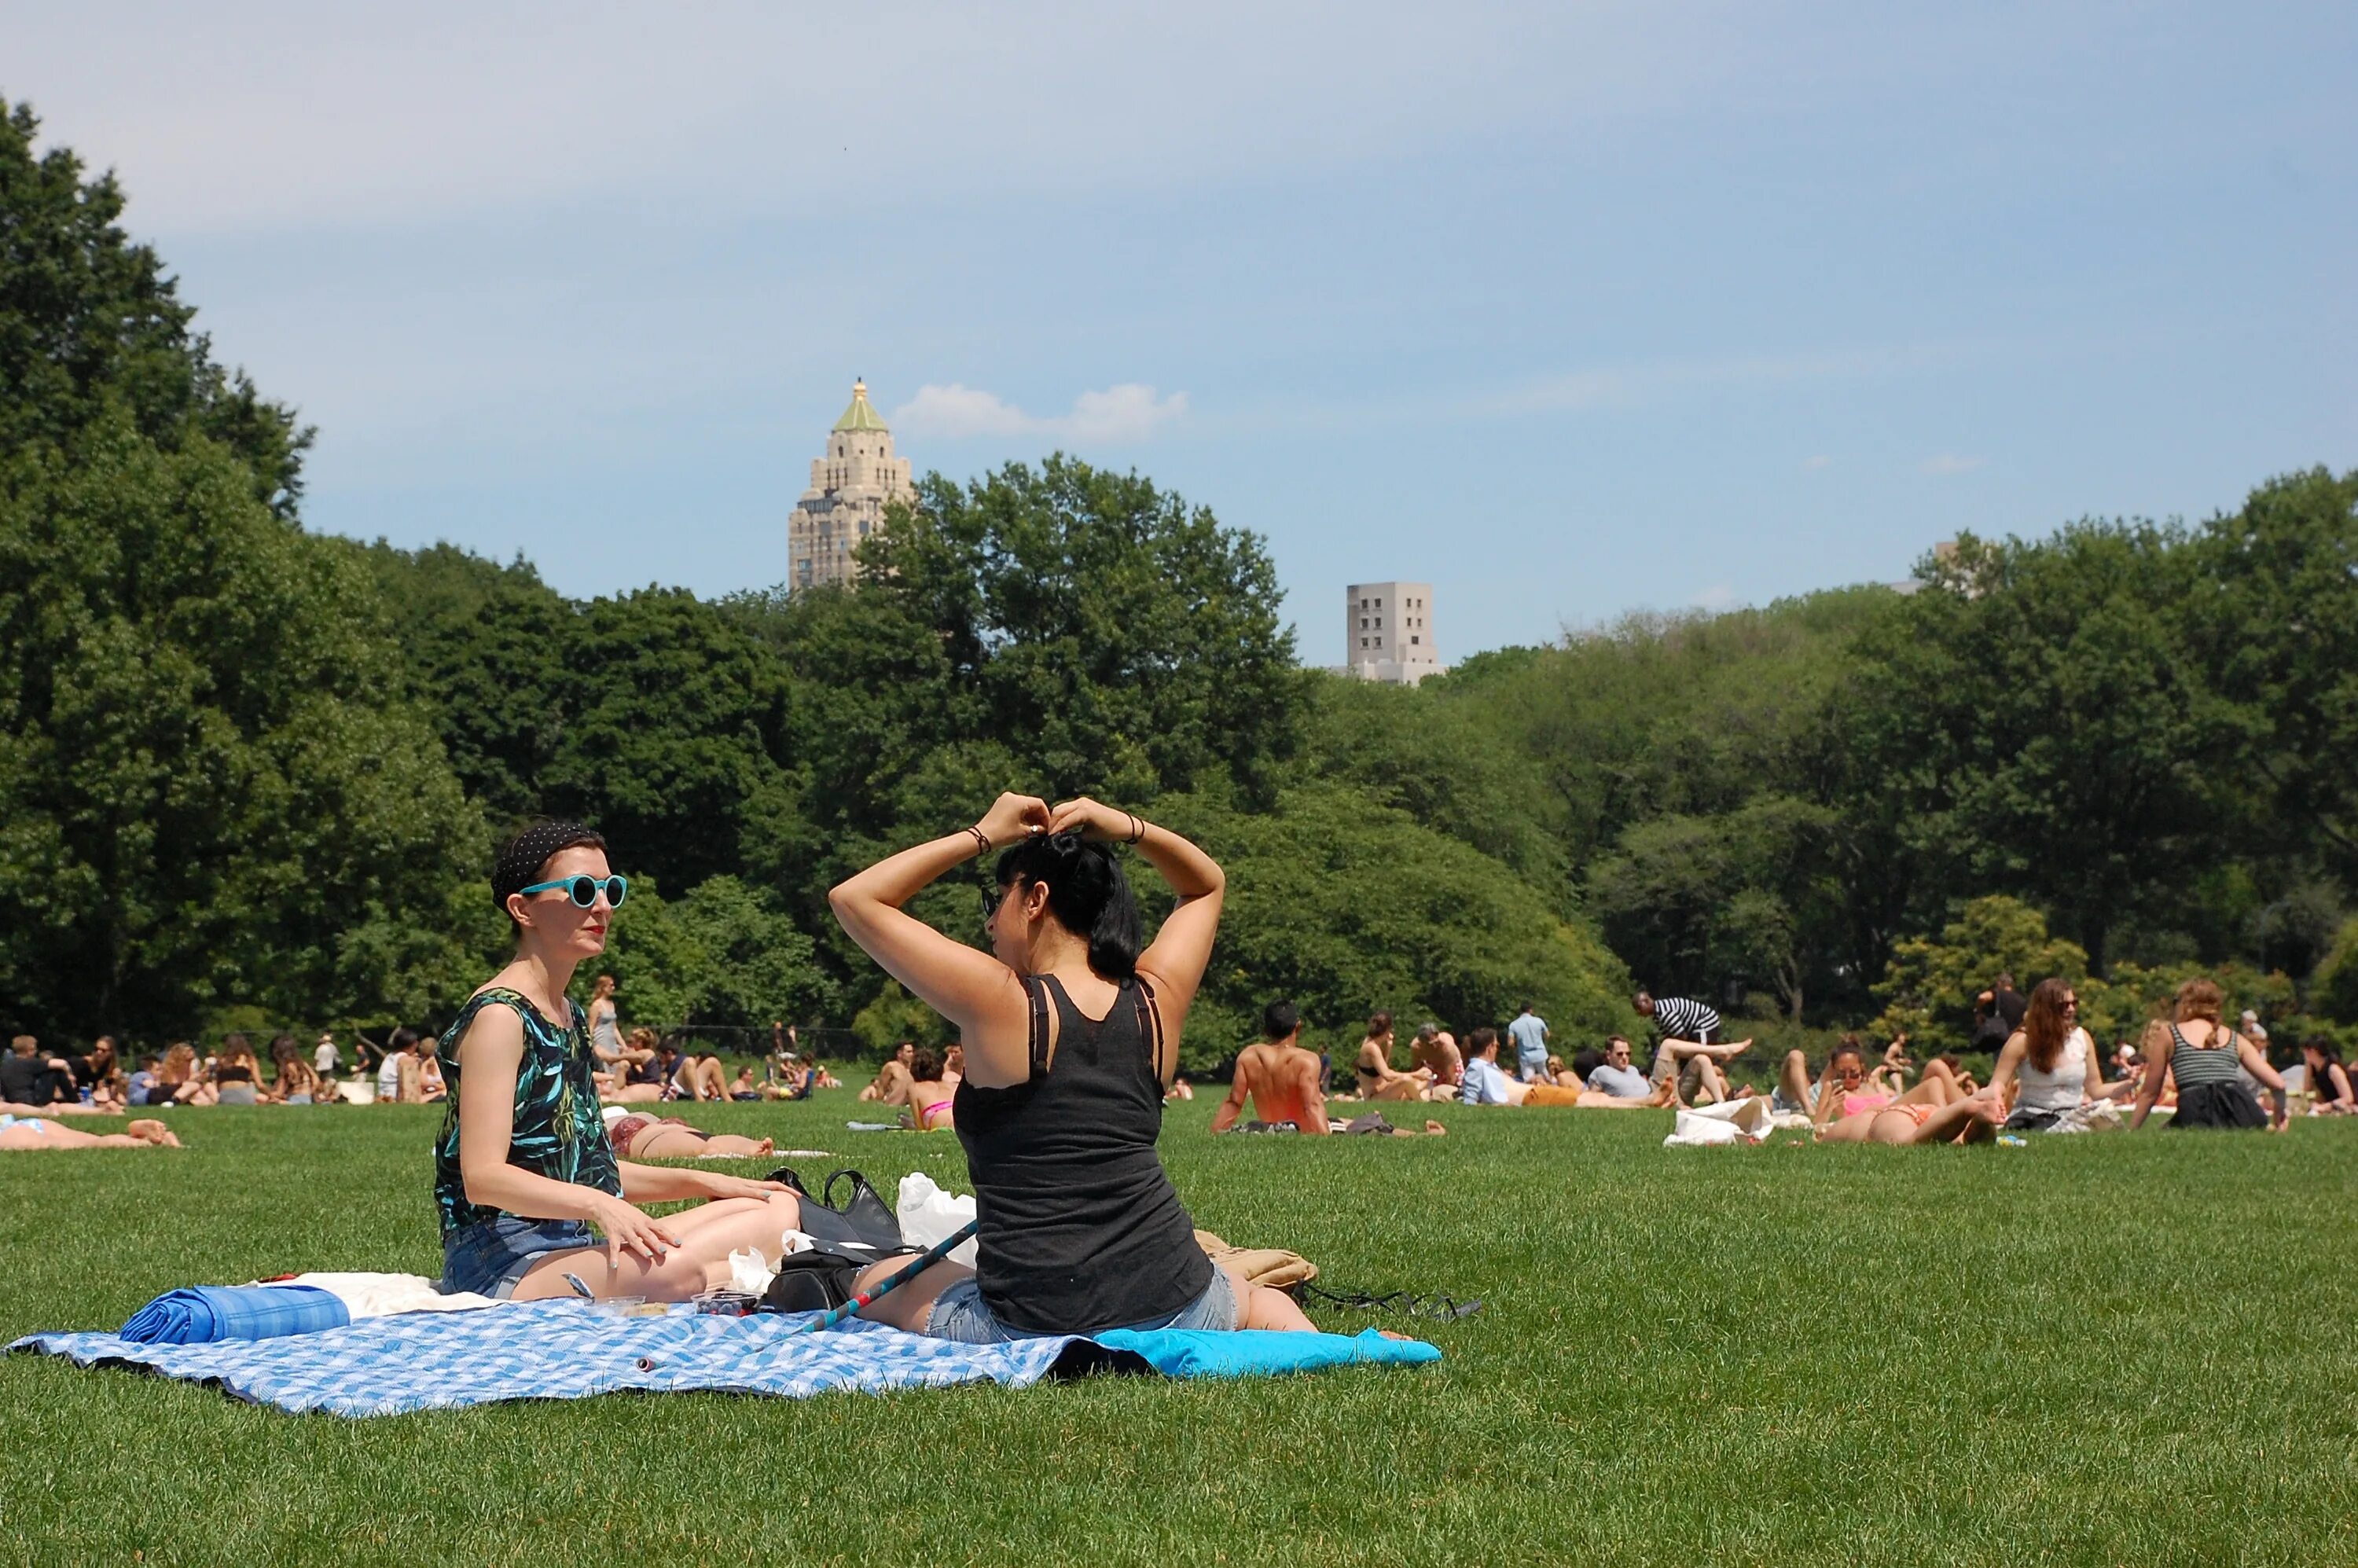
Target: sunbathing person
{"x": 1071, "y": 1034}
{"x": 637, "y": 1135}
{"x": 1378, "y": 1079}
{"x": 893, "y": 1074}
{"x": 924, "y": 1097}
{"x": 2329, "y": 1086}
{"x": 1486, "y": 1083}
{"x": 1853, "y": 1108}
{"x": 1435, "y": 1050}
{"x": 1279, "y": 1076}
{"x": 20, "y": 1134}
{"x": 523, "y": 1167}
{"x": 1613, "y": 1084}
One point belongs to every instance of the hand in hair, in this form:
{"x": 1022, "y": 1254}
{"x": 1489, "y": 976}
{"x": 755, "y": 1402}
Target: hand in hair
{"x": 1098, "y": 823}
{"x": 1012, "y": 817}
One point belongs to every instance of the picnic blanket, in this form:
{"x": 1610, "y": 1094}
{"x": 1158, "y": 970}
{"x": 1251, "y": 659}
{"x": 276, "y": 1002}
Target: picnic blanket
{"x": 566, "y": 1349}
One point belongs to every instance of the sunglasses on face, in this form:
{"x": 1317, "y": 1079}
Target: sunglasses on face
{"x": 584, "y": 890}
{"x": 991, "y": 893}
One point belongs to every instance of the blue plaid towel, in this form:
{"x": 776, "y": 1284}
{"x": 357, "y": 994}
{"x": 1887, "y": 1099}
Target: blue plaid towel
{"x": 565, "y": 1350}
{"x": 203, "y": 1313}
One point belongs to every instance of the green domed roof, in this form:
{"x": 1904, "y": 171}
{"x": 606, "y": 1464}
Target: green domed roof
{"x": 862, "y": 415}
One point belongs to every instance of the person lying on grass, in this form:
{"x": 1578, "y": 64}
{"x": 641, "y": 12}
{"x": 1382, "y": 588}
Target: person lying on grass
{"x": 640, "y": 1135}
{"x": 1886, "y": 1083}
{"x": 1850, "y": 1111}
{"x": 1071, "y": 1036}
{"x": 523, "y": 1167}
{"x": 1279, "y": 1076}
{"x": 29, "y": 1132}
{"x": 1617, "y": 1085}
{"x": 1486, "y": 1083}
{"x": 2050, "y": 1063}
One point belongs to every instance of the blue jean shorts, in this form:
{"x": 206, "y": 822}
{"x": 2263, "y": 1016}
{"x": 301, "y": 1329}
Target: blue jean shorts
{"x": 961, "y": 1314}
{"x": 488, "y": 1258}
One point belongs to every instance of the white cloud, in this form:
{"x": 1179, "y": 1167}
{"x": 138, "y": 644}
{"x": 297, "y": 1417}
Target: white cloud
{"x": 1819, "y": 461}
{"x": 1718, "y": 596}
{"x": 1130, "y": 412}
{"x": 1949, "y": 463}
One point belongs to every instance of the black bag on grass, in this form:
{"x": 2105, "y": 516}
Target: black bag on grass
{"x": 814, "y": 1281}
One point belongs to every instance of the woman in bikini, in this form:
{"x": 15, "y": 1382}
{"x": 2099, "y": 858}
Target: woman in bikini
{"x": 1852, "y": 1110}
{"x": 1071, "y": 1036}
{"x": 523, "y": 1168}
{"x": 638, "y": 1136}
{"x": 2200, "y": 1055}
{"x": 1378, "y": 1078}
{"x": 928, "y": 1094}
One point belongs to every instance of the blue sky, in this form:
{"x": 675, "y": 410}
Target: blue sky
{"x": 1569, "y": 309}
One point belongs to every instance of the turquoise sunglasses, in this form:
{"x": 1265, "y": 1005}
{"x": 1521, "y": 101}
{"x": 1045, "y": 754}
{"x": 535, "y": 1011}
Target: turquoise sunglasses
{"x": 584, "y": 890}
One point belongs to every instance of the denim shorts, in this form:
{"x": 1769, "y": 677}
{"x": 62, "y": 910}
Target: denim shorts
{"x": 961, "y": 1314}
{"x": 488, "y": 1258}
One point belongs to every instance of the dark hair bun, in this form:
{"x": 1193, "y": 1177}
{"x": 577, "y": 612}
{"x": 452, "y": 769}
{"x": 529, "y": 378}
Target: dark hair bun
{"x": 1088, "y": 894}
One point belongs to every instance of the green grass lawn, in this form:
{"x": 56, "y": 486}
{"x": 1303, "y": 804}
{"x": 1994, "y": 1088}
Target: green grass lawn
{"x": 2108, "y": 1349}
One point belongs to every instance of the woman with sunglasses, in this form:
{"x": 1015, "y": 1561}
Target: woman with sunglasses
{"x": 2052, "y": 1061}
{"x": 524, "y": 1168}
{"x": 1071, "y": 1036}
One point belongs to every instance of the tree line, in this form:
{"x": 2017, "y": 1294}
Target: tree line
{"x": 251, "y": 772}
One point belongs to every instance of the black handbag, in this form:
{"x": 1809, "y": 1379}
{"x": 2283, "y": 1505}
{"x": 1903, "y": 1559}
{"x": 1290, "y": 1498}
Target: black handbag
{"x": 863, "y": 1225}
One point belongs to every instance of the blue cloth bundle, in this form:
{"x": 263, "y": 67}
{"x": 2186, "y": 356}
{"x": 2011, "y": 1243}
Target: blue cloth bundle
{"x": 202, "y": 1314}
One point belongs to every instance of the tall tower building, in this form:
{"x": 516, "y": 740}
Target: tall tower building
{"x": 848, "y": 490}
{"x": 1388, "y": 632}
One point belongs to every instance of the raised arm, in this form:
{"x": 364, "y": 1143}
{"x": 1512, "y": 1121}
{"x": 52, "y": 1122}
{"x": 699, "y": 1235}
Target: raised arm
{"x": 971, "y": 989}
{"x": 1183, "y": 947}
{"x": 2256, "y": 1061}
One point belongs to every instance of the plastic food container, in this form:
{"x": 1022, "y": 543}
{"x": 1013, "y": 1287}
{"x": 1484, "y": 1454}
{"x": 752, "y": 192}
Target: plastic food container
{"x": 725, "y": 1303}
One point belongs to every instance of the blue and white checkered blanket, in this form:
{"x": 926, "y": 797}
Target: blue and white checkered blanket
{"x": 565, "y": 1350}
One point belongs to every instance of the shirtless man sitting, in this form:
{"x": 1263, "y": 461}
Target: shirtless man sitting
{"x": 1378, "y": 1078}
{"x": 1279, "y": 1076}
{"x": 1435, "y": 1050}
{"x": 893, "y": 1076}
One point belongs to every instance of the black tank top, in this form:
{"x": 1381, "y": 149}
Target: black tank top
{"x": 1080, "y": 1228}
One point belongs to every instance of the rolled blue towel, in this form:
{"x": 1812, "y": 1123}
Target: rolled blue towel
{"x": 200, "y": 1315}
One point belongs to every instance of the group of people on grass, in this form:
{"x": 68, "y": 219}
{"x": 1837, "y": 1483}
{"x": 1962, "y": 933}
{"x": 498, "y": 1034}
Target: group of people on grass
{"x": 1069, "y": 1026}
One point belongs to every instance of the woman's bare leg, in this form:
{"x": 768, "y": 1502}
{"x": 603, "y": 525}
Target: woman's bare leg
{"x": 1793, "y": 1079}
{"x": 1258, "y": 1306}
{"x": 910, "y": 1307}
{"x": 56, "y": 1135}
{"x": 1931, "y": 1089}
{"x": 688, "y": 1143}
{"x": 707, "y": 1235}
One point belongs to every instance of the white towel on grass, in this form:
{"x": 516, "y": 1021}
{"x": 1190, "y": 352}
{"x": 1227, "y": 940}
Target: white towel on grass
{"x": 1745, "y": 1120}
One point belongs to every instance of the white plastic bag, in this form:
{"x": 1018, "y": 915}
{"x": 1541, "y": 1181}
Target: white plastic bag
{"x": 929, "y": 1214}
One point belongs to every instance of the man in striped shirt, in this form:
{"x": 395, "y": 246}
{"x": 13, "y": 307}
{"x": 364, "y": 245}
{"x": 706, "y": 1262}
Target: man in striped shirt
{"x": 1685, "y": 1028}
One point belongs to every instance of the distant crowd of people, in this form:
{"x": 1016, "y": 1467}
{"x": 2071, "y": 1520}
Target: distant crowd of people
{"x": 2047, "y": 1076}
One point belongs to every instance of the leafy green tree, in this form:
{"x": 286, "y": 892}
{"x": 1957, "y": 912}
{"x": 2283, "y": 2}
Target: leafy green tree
{"x": 89, "y": 323}
{"x": 1121, "y": 641}
{"x": 719, "y": 956}
{"x": 2035, "y": 721}
{"x": 2281, "y": 629}
{"x": 1928, "y": 992}
{"x": 211, "y": 788}
{"x": 1347, "y": 906}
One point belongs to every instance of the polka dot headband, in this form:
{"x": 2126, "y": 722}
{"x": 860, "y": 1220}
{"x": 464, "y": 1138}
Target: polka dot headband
{"x": 521, "y": 861}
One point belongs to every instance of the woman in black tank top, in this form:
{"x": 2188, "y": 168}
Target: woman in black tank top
{"x": 1071, "y": 1036}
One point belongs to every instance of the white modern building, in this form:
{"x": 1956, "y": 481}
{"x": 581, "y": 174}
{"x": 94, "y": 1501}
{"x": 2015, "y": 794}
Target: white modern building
{"x": 850, "y": 488}
{"x": 1388, "y": 633}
